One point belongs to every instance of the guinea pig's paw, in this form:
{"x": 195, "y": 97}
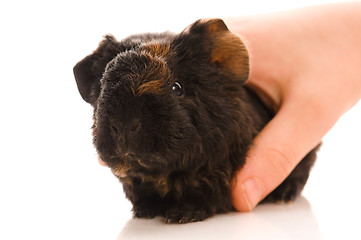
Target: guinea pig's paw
{"x": 185, "y": 215}
{"x": 144, "y": 212}
{"x": 287, "y": 192}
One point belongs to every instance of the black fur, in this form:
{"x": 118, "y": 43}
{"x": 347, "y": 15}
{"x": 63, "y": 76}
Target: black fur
{"x": 173, "y": 120}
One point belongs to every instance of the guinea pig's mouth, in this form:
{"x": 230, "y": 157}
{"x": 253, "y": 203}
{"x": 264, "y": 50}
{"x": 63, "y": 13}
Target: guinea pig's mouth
{"x": 128, "y": 164}
{"x": 101, "y": 162}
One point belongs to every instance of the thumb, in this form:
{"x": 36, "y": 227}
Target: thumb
{"x": 276, "y": 151}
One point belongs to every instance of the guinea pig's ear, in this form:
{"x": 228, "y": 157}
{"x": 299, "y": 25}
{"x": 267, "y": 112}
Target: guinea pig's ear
{"x": 89, "y": 71}
{"x": 225, "y": 50}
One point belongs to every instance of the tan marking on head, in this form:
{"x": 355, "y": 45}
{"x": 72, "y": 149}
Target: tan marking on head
{"x": 156, "y": 49}
{"x": 156, "y": 87}
{"x": 155, "y": 79}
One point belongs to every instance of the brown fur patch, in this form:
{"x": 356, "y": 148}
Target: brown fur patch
{"x": 156, "y": 49}
{"x": 215, "y": 26}
{"x": 120, "y": 172}
{"x": 156, "y": 87}
{"x": 230, "y": 53}
{"x": 156, "y": 78}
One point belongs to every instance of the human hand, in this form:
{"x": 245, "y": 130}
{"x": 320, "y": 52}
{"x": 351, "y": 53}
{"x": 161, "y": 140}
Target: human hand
{"x": 305, "y": 65}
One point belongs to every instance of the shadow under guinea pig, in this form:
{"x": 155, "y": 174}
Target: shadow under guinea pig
{"x": 268, "y": 221}
{"x": 173, "y": 119}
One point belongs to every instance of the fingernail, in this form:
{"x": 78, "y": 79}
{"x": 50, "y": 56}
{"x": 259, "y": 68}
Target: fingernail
{"x": 253, "y": 191}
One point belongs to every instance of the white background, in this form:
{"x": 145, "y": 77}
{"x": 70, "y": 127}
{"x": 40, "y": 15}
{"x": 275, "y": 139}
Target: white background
{"x": 51, "y": 186}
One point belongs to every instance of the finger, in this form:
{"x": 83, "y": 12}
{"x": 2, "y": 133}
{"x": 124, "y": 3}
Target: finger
{"x": 276, "y": 151}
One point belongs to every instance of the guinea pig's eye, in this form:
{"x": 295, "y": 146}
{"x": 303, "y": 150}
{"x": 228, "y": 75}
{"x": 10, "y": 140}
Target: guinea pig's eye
{"x": 177, "y": 89}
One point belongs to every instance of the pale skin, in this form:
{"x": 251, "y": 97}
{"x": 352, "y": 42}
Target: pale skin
{"x": 306, "y": 66}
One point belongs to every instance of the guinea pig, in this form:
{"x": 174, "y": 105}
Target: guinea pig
{"x": 173, "y": 119}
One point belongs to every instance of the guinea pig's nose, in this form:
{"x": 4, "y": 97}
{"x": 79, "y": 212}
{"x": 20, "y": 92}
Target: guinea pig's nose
{"x": 134, "y": 126}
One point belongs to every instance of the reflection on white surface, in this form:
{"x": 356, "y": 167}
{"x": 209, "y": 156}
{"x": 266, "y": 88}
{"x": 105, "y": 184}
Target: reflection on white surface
{"x": 269, "y": 221}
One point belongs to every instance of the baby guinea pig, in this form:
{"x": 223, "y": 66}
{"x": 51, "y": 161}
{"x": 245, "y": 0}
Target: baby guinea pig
{"x": 173, "y": 119}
